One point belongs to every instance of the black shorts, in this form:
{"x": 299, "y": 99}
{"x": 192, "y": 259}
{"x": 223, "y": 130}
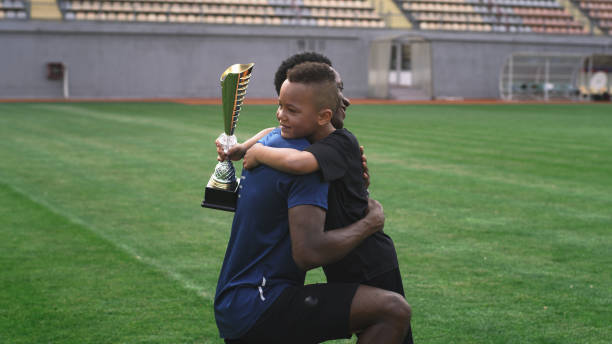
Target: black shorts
{"x": 305, "y": 315}
{"x": 390, "y": 280}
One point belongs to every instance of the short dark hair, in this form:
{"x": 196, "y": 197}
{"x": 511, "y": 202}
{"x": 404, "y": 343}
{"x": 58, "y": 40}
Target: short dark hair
{"x": 292, "y": 61}
{"x": 323, "y": 78}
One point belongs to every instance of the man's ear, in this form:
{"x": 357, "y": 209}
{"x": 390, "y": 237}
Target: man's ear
{"x": 325, "y": 116}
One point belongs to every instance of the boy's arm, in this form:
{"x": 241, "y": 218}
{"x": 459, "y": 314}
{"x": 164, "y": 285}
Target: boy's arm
{"x": 287, "y": 160}
{"x": 237, "y": 151}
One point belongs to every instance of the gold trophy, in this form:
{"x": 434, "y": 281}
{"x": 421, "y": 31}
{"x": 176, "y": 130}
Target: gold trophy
{"x": 222, "y": 188}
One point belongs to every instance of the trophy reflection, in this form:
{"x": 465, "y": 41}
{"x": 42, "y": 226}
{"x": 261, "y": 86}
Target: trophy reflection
{"x": 222, "y": 188}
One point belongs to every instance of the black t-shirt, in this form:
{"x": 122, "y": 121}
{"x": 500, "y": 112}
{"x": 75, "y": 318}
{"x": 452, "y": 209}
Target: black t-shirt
{"x": 339, "y": 161}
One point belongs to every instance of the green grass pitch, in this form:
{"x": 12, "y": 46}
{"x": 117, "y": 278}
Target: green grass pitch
{"x": 501, "y": 216}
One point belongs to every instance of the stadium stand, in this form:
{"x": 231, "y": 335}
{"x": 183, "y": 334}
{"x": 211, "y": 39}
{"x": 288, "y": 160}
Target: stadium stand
{"x": 600, "y": 12}
{"x": 352, "y": 13}
{"x": 515, "y": 16}
{"x": 573, "y": 17}
{"x": 13, "y": 9}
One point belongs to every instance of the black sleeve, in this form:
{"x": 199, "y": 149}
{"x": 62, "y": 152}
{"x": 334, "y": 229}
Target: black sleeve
{"x": 332, "y": 155}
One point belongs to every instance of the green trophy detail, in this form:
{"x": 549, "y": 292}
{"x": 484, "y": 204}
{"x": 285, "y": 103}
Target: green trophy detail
{"x": 222, "y": 188}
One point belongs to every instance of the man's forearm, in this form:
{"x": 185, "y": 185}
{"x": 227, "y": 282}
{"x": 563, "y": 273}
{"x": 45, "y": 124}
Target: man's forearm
{"x": 336, "y": 244}
{"x": 313, "y": 247}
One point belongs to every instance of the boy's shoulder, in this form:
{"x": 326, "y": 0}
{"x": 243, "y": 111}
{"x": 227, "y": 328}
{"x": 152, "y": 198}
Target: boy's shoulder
{"x": 338, "y": 155}
{"x": 340, "y": 138}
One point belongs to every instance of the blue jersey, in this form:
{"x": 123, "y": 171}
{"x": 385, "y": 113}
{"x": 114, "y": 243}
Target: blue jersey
{"x": 258, "y": 264}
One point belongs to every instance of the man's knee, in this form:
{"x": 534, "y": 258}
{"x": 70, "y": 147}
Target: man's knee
{"x": 397, "y": 309}
{"x": 373, "y": 306}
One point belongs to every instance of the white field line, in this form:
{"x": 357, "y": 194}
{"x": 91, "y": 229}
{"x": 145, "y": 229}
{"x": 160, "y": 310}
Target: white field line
{"x": 185, "y": 282}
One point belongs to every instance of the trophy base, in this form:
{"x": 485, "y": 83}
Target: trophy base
{"x": 220, "y": 199}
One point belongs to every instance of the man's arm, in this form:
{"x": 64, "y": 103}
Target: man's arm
{"x": 313, "y": 247}
{"x": 287, "y": 160}
{"x": 237, "y": 151}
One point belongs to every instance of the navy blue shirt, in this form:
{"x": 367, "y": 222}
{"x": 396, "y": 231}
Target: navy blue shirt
{"x": 258, "y": 264}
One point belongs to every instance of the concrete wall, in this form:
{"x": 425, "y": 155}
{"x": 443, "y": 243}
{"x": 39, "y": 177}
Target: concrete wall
{"x": 115, "y": 60}
{"x": 139, "y": 60}
{"x": 470, "y": 66}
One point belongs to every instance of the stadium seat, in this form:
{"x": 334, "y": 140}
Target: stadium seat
{"x": 247, "y": 12}
{"x": 516, "y": 16}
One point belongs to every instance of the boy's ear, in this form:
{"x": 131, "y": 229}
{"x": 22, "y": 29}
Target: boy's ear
{"x": 325, "y": 116}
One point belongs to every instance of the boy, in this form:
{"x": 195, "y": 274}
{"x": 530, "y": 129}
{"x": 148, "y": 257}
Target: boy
{"x": 336, "y": 154}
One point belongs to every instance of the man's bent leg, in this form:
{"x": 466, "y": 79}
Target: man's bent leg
{"x": 381, "y": 316}
{"x": 392, "y": 281}
{"x": 305, "y": 315}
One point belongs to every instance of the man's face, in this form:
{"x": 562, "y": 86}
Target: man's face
{"x": 340, "y": 115}
{"x": 297, "y": 113}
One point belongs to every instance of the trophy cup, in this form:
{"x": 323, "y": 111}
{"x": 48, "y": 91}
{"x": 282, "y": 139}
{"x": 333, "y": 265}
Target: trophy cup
{"x": 222, "y": 188}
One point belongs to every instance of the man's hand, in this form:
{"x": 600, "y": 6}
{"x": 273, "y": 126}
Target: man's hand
{"x": 364, "y": 164}
{"x": 250, "y": 157}
{"x": 375, "y": 217}
{"x": 234, "y": 153}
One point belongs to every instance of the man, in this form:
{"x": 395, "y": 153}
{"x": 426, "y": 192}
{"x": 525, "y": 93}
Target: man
{"x": 374, "y": 262}
{"x": 278, "y": 234}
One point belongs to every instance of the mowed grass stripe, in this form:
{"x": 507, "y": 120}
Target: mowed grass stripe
{"x": 474, "y": 136}
{"x": 585, "y": 174}
{"x": 125, "y": 118}
{"x": 484, "y": 173}
{"x": 62, "y": 283}
{"x": 170, "y": 272}
{"x": 502, "y": 227}
{"x": 501, "y": 237}
{"x": 492, "y": 122}
{"x": 503, "y": 148}
{"x": 111, "y": 187}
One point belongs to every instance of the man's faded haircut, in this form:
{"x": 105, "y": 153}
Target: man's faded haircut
{"x": 323, "y": 78}
{"x": 294, "y": 60}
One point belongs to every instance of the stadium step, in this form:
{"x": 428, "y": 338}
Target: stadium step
{"x": 393, "y": 16}
{"x": 45, "y": 10}
{"x": 587, "y": 24}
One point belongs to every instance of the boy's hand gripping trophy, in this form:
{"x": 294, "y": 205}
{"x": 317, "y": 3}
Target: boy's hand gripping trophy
{"x": 222, "y": 188}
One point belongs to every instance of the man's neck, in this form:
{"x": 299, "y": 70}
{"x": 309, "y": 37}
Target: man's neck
{"x": 321, "y": 133}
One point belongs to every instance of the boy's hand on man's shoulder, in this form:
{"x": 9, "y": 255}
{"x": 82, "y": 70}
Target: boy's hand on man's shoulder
{"x": 375, "y": 216}
{"x": 364, "y": 164}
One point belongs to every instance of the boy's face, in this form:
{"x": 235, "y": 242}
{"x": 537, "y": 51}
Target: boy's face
{"x": 297, "y": 111}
